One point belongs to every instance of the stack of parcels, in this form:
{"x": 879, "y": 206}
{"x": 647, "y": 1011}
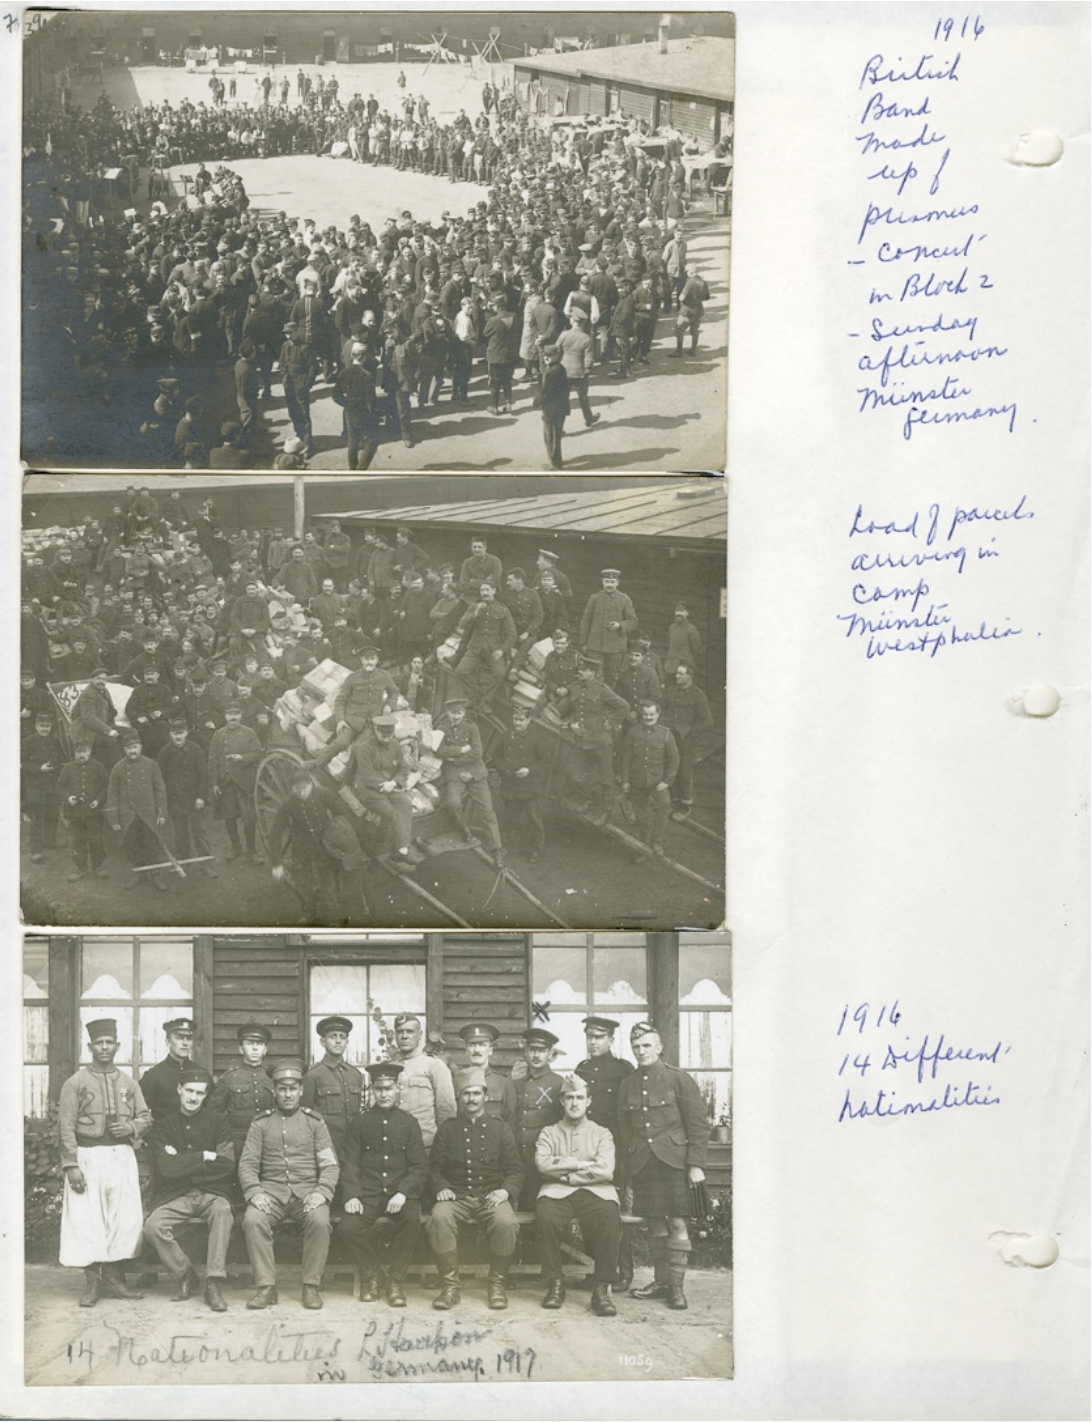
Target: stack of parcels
{"x": 423, "y": 792}
{"x": 310, "y": 708}
{"x": 446, "y": 651}
{"x": 530, "y": 688}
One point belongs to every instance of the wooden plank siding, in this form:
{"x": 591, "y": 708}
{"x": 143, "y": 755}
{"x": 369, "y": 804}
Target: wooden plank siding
{"x": 259, "y": 980}
{"x": 486, "y": 979}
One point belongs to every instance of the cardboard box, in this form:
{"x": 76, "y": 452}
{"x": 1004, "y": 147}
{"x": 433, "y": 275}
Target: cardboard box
{"x": 539, "y": 652}
{"x": 337, "y": 766}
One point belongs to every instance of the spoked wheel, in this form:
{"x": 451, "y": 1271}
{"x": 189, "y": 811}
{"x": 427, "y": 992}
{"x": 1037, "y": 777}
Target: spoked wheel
{"x": 272, "y": 787}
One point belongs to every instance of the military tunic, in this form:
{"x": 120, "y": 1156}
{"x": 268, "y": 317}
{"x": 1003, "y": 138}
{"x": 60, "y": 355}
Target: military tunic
{"x": 335, "y": 1090}
{"x": 160, "y": 1085}
{"x": 242, "y": 1093}
{"x": 286, "y": 1158}
{"x": 663, "y": 1130}
{"x": 384, "y": 1155}
{"x": 538, "y": 1104}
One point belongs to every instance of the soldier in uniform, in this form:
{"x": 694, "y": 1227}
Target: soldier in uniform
{"x": 194, "y": 1166}
{"x": 333, "y": 1087}
{"x": 426, "y": 1089}
{"x": 475, "y": 1175}
{"x": 362, "y": 696}
{"x": 664, "y": 1135}
{"x": 479, "y": 1040}
{"x": 464, "y": 775}
{"x": 650, "y": 762}
{"x": 305, "y": 819}
{"x": 490, "y": 634}
{"x": 538, "y": 1104}
{"x": 521, "y": 762}
{"x": 245, "y": 1091}
{"x": 101, "y": 1116}
{"x": 589, "y": 765}
{"x": 288, "y": 1170}
{"x": 136, "y": 807}
{"x": 81, "y": 790}
{"x": 160, "y": 1083}
{"x": 687, "y": 715}
{"x": 234, "y": 753}
{"x": 608, "y": 622}
{"x": 604, "y": 1073}
{"x": 384, "y": 1170}
{"x": 380, "y": 769}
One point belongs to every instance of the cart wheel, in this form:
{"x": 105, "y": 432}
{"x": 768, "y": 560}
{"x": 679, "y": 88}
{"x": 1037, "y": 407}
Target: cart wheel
{"x": 272, "y": 786}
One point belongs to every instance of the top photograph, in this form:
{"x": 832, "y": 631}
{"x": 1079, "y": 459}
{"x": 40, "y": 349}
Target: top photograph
{"x": 397, "y": 241}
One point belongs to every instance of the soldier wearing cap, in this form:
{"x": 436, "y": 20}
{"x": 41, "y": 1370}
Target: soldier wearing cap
{"x": 193, "y": 1163}
{"x": 288, "y": 1170}
{"x": 42, "y": 757}
{"x": 575, "y": 1161}
{"x": 521, "y": 760}
{"x": 604, "y": 1073}
{"x": 663, "y": 1135}
{"x": 547, "y": 561}
{"x": 650, "y": 763}
{"x": 475, "y": 1175}
{"x": 378, "y": 771}
{"x": 538, "y": 1104}
{"x": 481, "y": 567}
{"x": 160, "y": 1082}
{"x": 185, "y": 774}
{"x": 426, "y": 1089}
{"x": 245, "y": 1091}
{"x": 299, "y": 369}
{"x": 384, "y": 1170}
{"x": 609, "y": 620}
{"x": 587, "y": 708}
{"x": 234, "y": 754}
{"x": 480, "y": 1039}
{"x": 333, "y": 1087}
{"x": 464, "y": 776}
{"x": 489, "y": 634}
{"x": 101, "y": 1116}
{"x": 136, "y": 807}
{"x": 362, "y": 696}
{"x": 81, "y": 790}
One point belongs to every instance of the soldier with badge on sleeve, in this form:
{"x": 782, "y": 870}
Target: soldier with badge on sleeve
{"x": 664, "y": 1135}
{"x": 385, "y": 1167}
{"x": 288, "y": 1170}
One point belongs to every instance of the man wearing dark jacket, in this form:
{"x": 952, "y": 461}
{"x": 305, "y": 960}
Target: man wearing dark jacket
{"x": 81, "y": 792}
{"x": 555, "y": 404}
{"x": 193, "y": 1167}
{"x": 185, "y": 774}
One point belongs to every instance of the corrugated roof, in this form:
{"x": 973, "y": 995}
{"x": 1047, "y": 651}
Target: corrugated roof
{"x": 692, "y": 509}
{"x": 701, "y": 64}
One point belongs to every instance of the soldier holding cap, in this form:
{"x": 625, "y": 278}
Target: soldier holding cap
{"x": 194, "y": 1169}
{"x": 334, "y": 1087}
{"x": 664, "y": 1135}
{"x": 538, "y": 1104}
{"x": 288, "y": 1170}
{"x": 245, "y": 1091}
{"x": 480, "y": 1039}
{"x": 101, "y": 1116}
{"x": 426, "y": 1091}
{"x": 160, "y": 1082}
{"x": 385, "y": 1167}
{"x": 378, "y": 773}
{"x": 475, "y": 1175}
{"x": 608, "y": 622}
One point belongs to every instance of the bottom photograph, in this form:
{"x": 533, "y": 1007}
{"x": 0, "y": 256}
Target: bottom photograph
{"x": 377, "y": 1157}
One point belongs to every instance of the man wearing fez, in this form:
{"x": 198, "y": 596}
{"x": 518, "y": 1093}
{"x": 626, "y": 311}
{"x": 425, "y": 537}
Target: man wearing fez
{"x": 288, "y": 1170}
{"x": 160, "y": 1083}
{"x": 538, "y": 1104}
{"x": 426, "y": 1090}
{"x": 664, "y": 1133}
{"x": 384, "y": 1172}
{"x": 245, "y": 1091}
{"x": 574, "y": 1158}
{"x": 604, "y": 1073}
{"x": 475, "y": 1175}
{"x": 333, "y": 1087}
{"x": 101, "y": 1116}
{"x": 480, "y": 1039}
{"x": 194, "y": 1167}
{"x": 136, "y": 808}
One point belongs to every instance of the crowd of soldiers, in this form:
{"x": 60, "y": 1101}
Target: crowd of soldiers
{"x": 326, "y": 1150}
{"x": 140, "y": 320}
{"x": 209, "y": 629}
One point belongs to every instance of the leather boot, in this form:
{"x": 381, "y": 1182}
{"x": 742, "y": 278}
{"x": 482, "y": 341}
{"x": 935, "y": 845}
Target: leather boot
{"x": 213, "y": 1297}
{"x": 676, "y": 1274}
{"x": 187, "y": 1285}
{"x": 264, "y": 1296}
{"x": 658, "y": 1287}
{"x": 601, "y": 1301}
{"x": 449, "y": 1295}
{"x": 496, "y": 1286}
{"x": 310, "y": 1296}
{"x": 113, "y": 1281}
{"x": 555, "y": 1294}
{"x": 395, "y": 1294}
{"x": 92, "y": 1287}
{"x": 369, "y": 1290}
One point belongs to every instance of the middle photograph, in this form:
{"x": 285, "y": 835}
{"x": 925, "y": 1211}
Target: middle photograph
{"x": 266, "y": 701}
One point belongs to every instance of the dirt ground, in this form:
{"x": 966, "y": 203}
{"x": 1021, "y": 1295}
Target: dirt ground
{"x": 157, "y": 1342}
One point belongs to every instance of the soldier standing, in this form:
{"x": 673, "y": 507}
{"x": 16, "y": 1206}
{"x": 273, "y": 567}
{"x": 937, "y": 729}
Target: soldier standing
{"x": 160, "y": 1083}
{"x": 480, "y": 1039}
{"x": 333, "y": 1087}
{"x": 538, "y": 1104}
{"x": 245, "y": 1091}
{"x": 604, "y": 1073}
{"x": 426, "y": 1089}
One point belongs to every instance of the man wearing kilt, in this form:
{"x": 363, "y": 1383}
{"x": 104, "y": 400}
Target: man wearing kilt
{"x": 101, "y": 1117}
{"x": 664, "y": 1134}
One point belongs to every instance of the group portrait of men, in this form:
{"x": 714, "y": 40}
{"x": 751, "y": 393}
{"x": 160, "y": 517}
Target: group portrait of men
{"x": 409, "y": 1146}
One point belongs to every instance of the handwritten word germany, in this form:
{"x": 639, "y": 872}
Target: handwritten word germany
{"x": 910, "y": 1074}
{"x": 912, "y": 575}
{"x": 922, "y": 246}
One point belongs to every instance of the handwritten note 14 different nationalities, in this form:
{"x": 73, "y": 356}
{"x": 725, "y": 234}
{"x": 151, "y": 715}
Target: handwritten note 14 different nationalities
{"x": 925, "y": 355}
{"x": 892, "y": 1073}
{"x": 923, "y": 580}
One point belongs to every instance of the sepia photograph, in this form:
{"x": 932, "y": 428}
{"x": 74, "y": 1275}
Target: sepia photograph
{"x": 476, "y": 240}
{"x": 328, "y": 1158}
{"x": 291, "y": 701}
